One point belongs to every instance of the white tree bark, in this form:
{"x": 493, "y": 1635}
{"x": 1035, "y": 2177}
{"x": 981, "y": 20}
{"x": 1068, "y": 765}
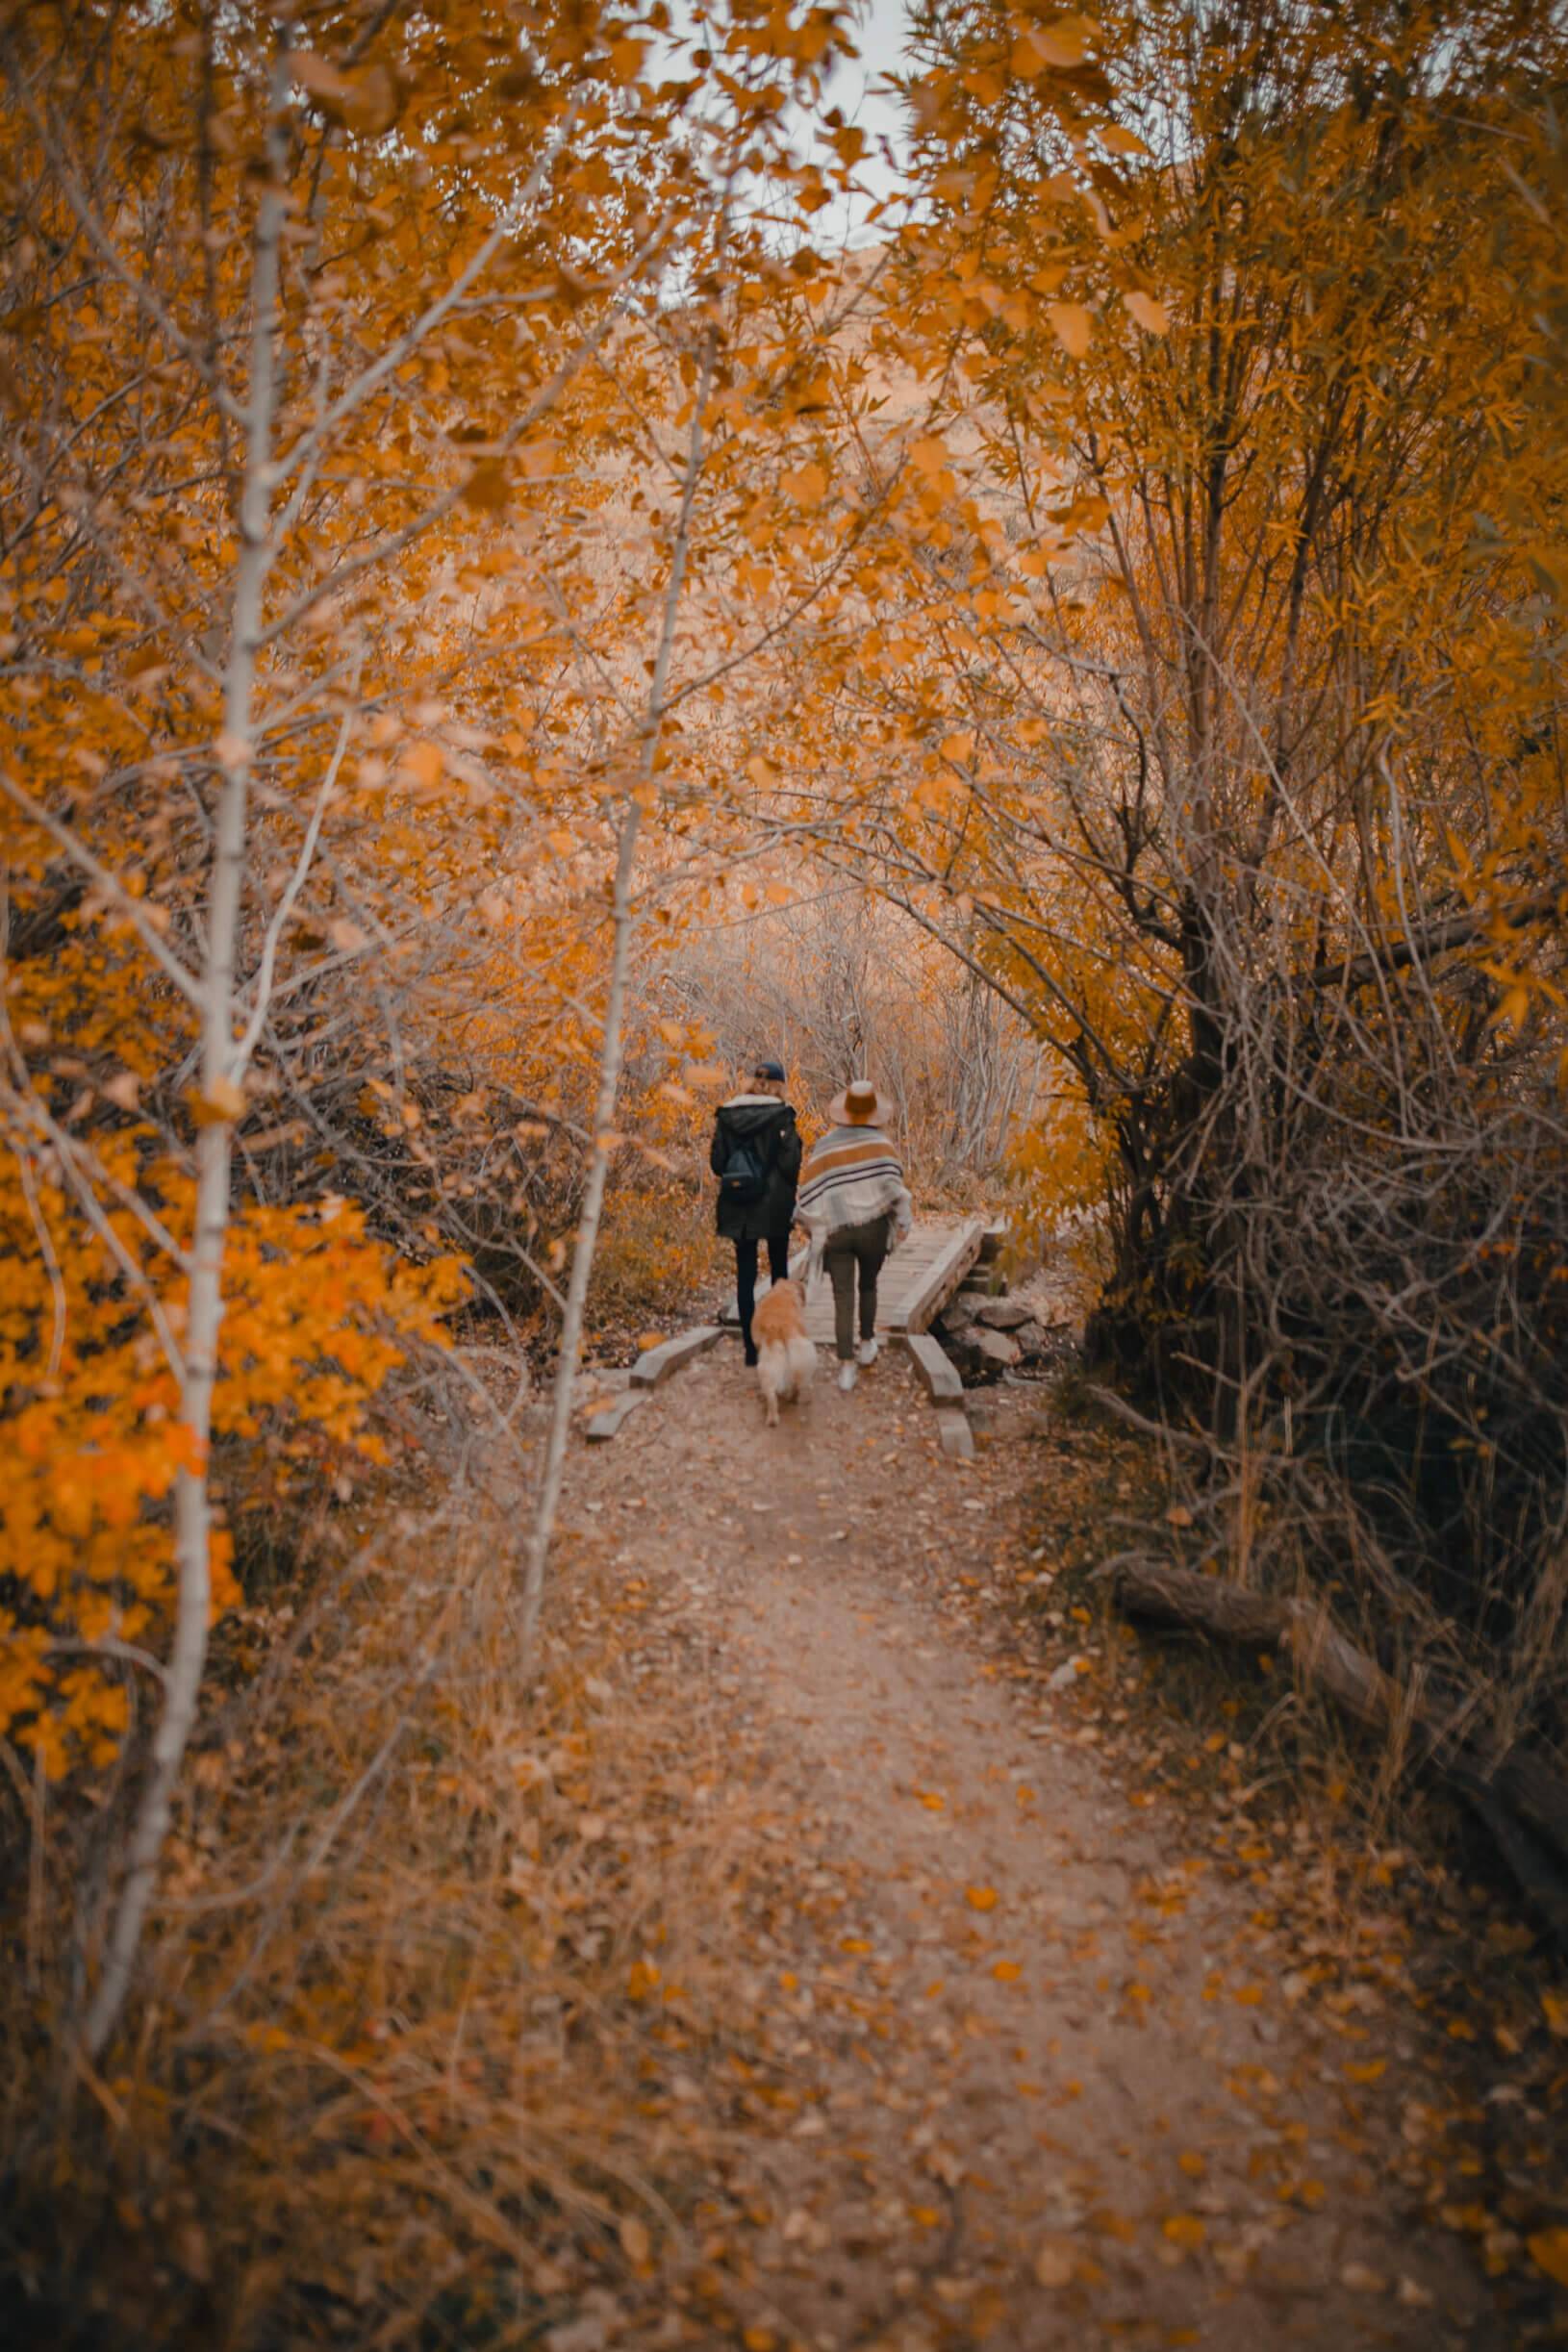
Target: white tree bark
{"x": 220, "y": 1068}
{"x": 612, "y": 1035}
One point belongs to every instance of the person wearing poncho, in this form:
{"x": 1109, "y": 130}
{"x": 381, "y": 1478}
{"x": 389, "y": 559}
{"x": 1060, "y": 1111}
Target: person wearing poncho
{"x": 854, "y": 1204}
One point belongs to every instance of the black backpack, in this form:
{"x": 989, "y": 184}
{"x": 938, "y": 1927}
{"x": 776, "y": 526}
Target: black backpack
{"x": 744, "y": 1177}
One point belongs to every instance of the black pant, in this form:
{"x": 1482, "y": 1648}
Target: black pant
{"x": 746, "y": 1277}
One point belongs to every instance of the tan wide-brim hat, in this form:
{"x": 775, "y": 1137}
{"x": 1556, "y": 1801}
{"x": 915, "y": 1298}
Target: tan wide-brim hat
{"x": 857, "y": 1107}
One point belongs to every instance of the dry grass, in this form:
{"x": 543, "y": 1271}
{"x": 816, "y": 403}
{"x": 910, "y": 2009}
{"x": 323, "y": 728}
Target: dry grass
{"x": 658, "y": 1251}
{"x": 426, "y": 1986}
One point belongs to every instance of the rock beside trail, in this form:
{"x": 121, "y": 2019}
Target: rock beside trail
{"x": 1002, "y": 1314}
{"x": 1043, "y": 1341}
{"x": 996, "y": 1349}
{"x": 986, "y": 1336}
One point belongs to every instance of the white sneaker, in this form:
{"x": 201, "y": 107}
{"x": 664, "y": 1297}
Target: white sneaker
{"x": 868, "y": 1351}
{"x": 846, "y": 1376}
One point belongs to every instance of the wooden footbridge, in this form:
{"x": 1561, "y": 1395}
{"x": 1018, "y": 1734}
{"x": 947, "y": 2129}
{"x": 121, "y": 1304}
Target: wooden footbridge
{"x": 918, "y": 1279}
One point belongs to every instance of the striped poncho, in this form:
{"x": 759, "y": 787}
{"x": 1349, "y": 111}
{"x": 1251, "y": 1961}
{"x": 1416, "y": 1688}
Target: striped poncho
{"x": 850, "y": 1175}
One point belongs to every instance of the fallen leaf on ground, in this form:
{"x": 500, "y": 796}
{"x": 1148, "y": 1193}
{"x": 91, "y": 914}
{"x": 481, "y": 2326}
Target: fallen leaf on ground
{"x": 1055, "y": 2266}
{"x": 1549, "y": 2252}
{"x": 1184, "y": 2230}
{"x": 636, "y": 2243}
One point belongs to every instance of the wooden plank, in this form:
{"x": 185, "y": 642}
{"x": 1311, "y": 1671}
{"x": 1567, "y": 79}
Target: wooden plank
{"x": 604, "y": 1425}
{"x": 940, "y": 1278}
{"x": 672, "y": 1353}
{"x": 936, "y": 1369}
{"x": 953, "y": 1430}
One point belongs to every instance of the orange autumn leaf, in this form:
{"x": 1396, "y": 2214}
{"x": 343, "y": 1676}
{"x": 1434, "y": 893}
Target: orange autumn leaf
{"x": 1549, "y": 2252}
{"x": 1151, "y": 315}
{"x": 1071, "y": 325}
{"x": 1184, "y": 2230}
{"x": 806, "y": 486}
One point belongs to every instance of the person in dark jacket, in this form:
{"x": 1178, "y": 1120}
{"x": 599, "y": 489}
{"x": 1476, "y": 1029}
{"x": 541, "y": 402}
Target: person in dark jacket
{"x": 756, "y": 1156}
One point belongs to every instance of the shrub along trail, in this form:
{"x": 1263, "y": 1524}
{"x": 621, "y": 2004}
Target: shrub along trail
{"x": 1037, "y": 2055}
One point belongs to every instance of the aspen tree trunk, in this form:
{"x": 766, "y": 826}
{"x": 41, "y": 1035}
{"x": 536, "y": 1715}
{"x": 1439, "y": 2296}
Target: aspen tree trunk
{"x": 612, "y": 1039}
{"x": 219, "y": 1073}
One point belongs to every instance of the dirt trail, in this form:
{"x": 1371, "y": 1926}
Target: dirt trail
{"x": 1035, "y": 2083}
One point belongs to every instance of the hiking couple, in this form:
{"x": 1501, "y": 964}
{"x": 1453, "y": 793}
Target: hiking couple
{"x": 851, "y": 1201}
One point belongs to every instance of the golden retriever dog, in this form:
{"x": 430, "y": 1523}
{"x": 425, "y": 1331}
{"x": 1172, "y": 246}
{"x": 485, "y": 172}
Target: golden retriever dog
{"x": 786, "y": 1359}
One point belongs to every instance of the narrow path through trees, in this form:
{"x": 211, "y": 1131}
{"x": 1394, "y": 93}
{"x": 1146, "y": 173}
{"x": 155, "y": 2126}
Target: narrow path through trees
{"x": 1038, "y": 2076}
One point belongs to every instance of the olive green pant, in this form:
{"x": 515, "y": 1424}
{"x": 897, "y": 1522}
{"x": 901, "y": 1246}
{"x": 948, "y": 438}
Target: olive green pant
{"x": 854, "y": 1255}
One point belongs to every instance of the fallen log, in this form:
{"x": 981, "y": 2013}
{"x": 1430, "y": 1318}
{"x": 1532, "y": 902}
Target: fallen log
{"x": 1259, "y": 1620}
{"x": 1517, "y": 1796}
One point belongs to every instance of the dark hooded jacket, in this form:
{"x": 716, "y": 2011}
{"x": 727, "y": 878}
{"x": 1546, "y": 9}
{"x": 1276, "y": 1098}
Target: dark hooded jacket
{"x": 770, "y": 1126}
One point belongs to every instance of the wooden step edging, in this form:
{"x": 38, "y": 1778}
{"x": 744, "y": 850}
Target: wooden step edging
{"x": 939, "y": 1376}
{"x": 956, "y": 1437}
{"x": 605, "y": 1424}
{"x": 933, "y": 1365}
{"x": 937, "y": 1371}
{"x": 672, "y": 1353}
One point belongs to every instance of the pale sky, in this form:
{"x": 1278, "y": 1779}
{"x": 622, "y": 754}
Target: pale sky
{"x": 880, "y": 34}
{"x": 880, "y": 40}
